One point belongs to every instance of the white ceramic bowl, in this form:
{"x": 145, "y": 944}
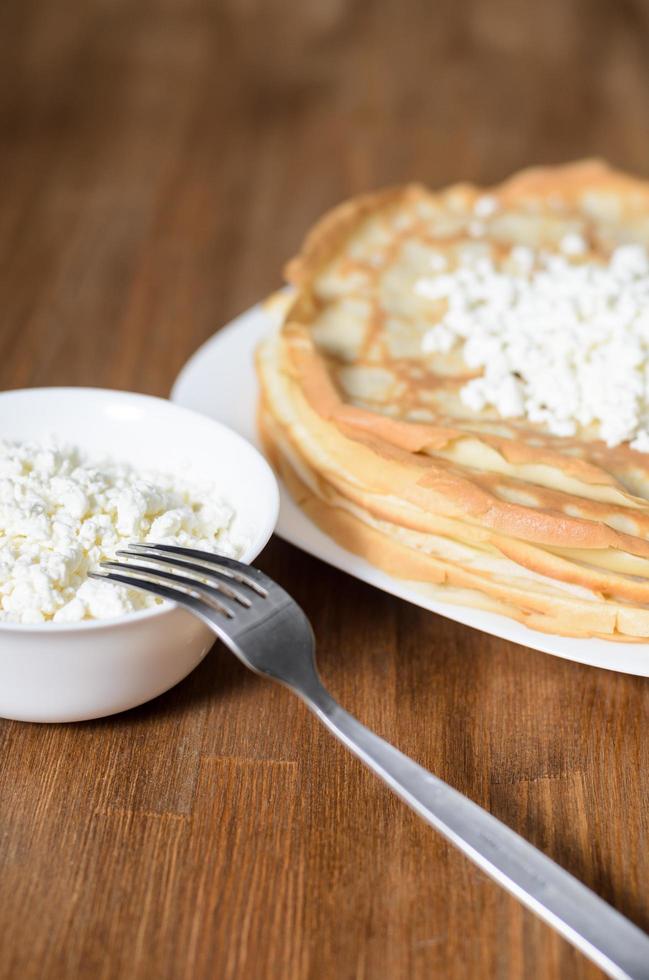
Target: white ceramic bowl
{"x": 72, "y": 672}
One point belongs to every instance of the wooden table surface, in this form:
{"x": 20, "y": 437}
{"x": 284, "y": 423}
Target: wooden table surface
{"x": 158, "y": 162}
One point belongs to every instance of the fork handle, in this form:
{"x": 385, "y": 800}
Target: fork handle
{"x": 618, "y": 947}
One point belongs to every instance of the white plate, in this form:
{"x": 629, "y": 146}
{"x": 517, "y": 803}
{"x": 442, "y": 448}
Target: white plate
{"x": 219, "y": 380}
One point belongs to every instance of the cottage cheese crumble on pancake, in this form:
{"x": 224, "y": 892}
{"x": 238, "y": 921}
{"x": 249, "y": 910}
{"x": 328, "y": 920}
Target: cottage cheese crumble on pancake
{"x": 459, "y": 392}
{"x": 561, "y": 339}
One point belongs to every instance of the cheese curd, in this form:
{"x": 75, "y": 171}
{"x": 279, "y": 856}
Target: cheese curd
{"x": 61, "y": 514}
{"x": 559, "y": 338}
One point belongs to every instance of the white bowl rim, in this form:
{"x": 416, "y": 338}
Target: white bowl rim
{"x": 139, "y": 615}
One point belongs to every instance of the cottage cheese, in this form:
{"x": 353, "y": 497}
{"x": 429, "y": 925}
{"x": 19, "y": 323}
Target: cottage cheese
{"x": 60, "y": 515}
{"x": 560, "y": 338}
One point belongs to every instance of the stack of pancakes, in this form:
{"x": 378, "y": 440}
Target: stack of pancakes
{"x": 372, "y": 438}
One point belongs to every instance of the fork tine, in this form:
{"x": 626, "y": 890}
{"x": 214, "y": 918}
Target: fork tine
{"x": 207, "y": 593}
{"x": 244, "y": 574}
{"x": 200, "y": 607}
{"x": 213, "y": 576}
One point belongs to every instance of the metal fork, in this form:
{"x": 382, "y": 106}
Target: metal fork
{"x": 268, "y": 631}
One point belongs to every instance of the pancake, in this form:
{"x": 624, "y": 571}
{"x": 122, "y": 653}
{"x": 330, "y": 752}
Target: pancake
{"x": 377, "y": 440}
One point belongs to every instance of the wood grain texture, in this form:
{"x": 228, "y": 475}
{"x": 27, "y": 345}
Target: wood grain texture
{"x": 158, "y": 162}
